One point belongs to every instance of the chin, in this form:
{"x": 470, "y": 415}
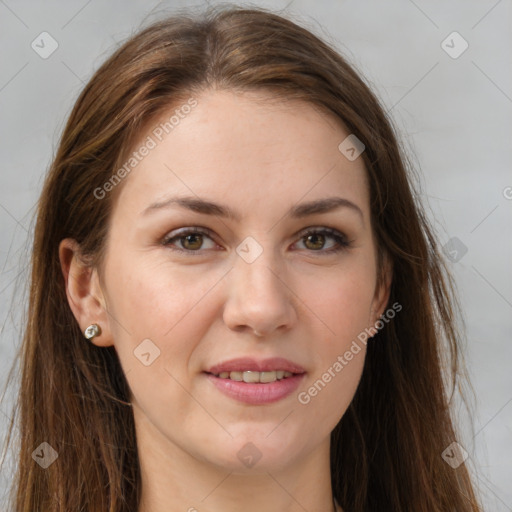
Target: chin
{"x": 256, "y": 454}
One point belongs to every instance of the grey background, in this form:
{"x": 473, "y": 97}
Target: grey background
{"x": 454, "y": 116}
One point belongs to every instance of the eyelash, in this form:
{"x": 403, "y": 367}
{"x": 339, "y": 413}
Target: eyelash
{"x": 339, "y": 237}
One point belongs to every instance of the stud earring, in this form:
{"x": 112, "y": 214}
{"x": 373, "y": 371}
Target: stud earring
{"x": 92, "y": 331}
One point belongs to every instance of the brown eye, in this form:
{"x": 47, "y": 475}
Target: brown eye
{"x": 315, "y": 240}
{"x": 191, "y": 242}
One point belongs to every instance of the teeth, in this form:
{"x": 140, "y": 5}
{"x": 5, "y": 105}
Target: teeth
{"x": 253, "y": 377}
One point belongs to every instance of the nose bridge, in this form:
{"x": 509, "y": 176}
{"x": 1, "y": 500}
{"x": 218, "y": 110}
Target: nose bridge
{"x": 256, "y": 268}
{"x": 258, "y": 297}
{"x": 258, "y": 276}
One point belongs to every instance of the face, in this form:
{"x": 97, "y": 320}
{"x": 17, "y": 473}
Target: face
{"x": 261, "y": 278}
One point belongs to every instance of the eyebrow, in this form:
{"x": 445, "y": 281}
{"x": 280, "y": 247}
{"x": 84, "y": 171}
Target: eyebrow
{"x": 205, "y": 207}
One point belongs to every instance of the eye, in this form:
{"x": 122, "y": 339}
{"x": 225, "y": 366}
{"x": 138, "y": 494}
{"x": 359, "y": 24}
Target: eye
{"x": 315, "y": 239}
{"x": 190, "y": 239}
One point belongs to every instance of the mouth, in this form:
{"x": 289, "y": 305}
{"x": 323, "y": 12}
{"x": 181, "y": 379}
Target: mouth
{"x": 256, "y": 382}
{"x": 253, "y": 377}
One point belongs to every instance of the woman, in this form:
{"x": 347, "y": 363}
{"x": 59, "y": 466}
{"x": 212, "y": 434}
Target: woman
{"x": 236, "y": 302}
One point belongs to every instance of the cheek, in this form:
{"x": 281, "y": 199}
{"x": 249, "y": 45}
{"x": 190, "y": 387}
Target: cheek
{"x": 341, "y": 301}
{"x": 340, "y": 308}
{"x": 157, "y": 300}
{"x": 158, "y": 318}
{"x": 164, "y": 311}
{"x": 339, "y": 354}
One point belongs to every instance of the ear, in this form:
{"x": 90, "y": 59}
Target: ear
{"x": 382, "y": 289}
{"x": 83, "y": 291}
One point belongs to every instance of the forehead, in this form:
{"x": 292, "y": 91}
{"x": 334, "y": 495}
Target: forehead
{"x": 252, "y": 150}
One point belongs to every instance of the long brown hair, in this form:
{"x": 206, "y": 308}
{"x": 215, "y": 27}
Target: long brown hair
{"x": 386, "y": 452}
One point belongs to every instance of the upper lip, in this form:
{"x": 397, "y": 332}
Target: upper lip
{"x": 256, "y": 365}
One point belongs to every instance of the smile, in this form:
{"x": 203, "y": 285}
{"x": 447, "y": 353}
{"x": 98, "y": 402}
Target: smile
{"x": 255, "y": 377}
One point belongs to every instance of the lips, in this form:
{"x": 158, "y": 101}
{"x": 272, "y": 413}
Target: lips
{"x": 256, "y": 382}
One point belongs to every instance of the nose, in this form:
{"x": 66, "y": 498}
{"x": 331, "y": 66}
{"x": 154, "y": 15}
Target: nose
{"x": 258, "y": 299}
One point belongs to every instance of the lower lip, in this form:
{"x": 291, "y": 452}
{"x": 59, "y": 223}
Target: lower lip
{"x": 257, "y": 393}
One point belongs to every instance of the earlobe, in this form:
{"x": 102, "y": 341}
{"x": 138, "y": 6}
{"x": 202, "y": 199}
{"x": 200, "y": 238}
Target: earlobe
{"x": 83, "y": 292}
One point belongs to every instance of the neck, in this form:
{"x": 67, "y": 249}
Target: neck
{"x": 173, "y": 480}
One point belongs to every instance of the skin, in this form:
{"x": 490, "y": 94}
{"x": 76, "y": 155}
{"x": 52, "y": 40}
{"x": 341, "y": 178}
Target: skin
{"x": 260, "y": 159}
